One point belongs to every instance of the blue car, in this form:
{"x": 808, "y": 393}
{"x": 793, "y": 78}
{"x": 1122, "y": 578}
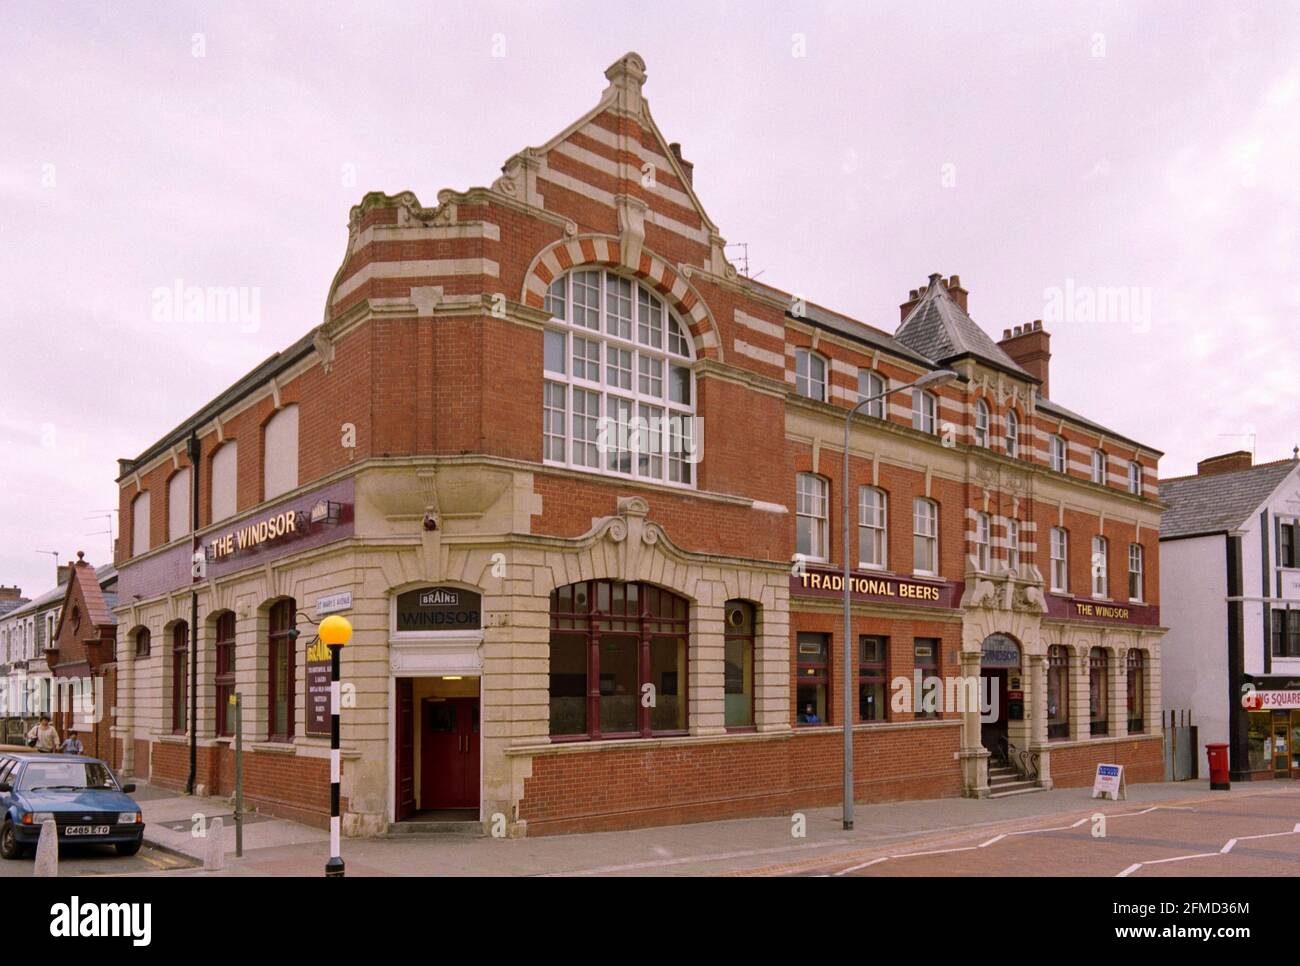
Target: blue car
{"x": 78, "y": 792}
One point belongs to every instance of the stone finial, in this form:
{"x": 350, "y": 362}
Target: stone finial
{"x": 626, "y": 77}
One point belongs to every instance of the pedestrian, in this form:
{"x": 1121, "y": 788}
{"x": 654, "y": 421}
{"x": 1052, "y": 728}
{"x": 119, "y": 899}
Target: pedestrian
{"x": 72, "y": 745}
{"x": 43, "y": 737}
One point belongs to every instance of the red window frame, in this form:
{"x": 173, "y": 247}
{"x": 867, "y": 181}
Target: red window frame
{"x": 644, "y": 611}
{"x": 1136, "y": 675}
{"x": 929, "y": 667}
{"x": 813, "y": 671}
{"x": 180, "y": 682}
{"x": 280, "y": 650}
{"x": 225, "y": 676}
{"x": 874, "y": 671}
{"x": 1098, "y": 671}
{"x": 742, "y": 634}
{"x": 1058, "y": 666}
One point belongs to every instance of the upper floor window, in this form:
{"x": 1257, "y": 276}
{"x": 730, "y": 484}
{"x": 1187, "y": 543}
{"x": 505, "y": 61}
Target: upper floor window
{"x": 1013, "y": 546}
{"x": 981, "y": 423}
{"x": 1286, "y": 544}
{"x": 924, "y": 410}
{"x": 1135, "y": 571}
{"x": 140, "y": 524}
{"x": 1135, "y": 477}
{"x": 280, "y": 453}
{"x": 810, "y": 374}
{"x": 871, "y": 384}
{"x": 1060, "y": 560}
{"x": 619, "y": 395}
{"x": 1013, "y": 434}
{"x": 224, "y": 480}
{"x": 1100, "y": 584}
{"x": 811, "y": 520}
{"x": 1058, "y": 454}
{"x": 1099, "y": 467}
{"x": 925, "y": 536}
{"x": 872, "y": 527}
{"x": 983, "y": 524}
{"x": 178, "y": 505}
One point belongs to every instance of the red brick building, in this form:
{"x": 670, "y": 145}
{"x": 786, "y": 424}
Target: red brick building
{"x": 576, "y": 482}
{"x": 81, "y": 657}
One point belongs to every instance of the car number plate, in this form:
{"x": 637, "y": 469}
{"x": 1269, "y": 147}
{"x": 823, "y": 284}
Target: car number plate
{"x": 86, "y": 830}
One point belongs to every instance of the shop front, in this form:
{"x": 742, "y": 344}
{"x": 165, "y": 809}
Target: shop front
{"x": 1273, "y": 728}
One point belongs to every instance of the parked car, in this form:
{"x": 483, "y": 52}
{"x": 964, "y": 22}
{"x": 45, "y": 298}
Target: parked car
{"x": 78, "y": 792}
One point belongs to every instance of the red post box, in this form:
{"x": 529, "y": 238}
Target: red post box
{"x": 1218, "y": 755}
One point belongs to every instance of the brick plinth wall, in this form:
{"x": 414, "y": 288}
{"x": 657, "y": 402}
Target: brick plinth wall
{"x": 1142, "y": 758}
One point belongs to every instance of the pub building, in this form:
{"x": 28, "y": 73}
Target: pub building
{"x": 1230, "y": 573}
{"x": 573, "y": 479}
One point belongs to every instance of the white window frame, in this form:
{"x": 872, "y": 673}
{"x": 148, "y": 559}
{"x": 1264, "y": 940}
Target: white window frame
{"x": 1060, "y": 560}
{"x": 807, "y": 382}
{"x": 140, "y": 532}
{"x": 925, "y": 411}
{"x": 981, "y": 423}
{"x": 1099, "y": 567}
{"x": 1013, "y": 434}
{"x": 636, "y": 357}
{"x": 179, "y": 517}
{"x": 1135, "y": 477}
{"x": 872, "y": 383}
{"x": 1060, "y": 453}
{"x": 983, "y": 531}
{"x": 873, "y": 528}
{"x": 1099, "y": 462}
{"x": 1136, "y": 568}
{"x": 925, "y": 534}
{"x": 812, "y": 502}
{"x": 280, "y": 445}
{"x": 1013, "y": 546}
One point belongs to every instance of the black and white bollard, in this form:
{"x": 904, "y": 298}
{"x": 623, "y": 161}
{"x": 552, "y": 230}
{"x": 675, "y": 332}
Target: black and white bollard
{"x": 335, "y": 631}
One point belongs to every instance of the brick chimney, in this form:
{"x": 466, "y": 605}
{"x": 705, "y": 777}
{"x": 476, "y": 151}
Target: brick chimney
{"x": 1030, "y": 347}
{"x": 1227, "y": 463}
{"x": 952, "y": 285}
{"x": 10, "y": 593}
{"x": 64, "y": 574}
{"x": 688, "y": 167}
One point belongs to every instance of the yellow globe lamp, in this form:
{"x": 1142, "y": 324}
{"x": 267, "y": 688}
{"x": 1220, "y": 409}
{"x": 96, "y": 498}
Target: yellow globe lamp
{"x": 335, "y": 631}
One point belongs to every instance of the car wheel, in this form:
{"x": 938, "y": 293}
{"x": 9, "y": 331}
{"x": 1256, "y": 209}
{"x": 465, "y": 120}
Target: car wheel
{"x": 9, "y": 847}
{"x": 129, "y": 848}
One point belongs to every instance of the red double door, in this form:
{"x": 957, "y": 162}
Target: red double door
{"x": 448, "y": 730}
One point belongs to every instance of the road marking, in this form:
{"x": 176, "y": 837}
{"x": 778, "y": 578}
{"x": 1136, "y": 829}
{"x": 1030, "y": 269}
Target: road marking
{"x": 855, "y": 868}
{"x": 1227, "y": 847}
{"x": 996, "y": 838}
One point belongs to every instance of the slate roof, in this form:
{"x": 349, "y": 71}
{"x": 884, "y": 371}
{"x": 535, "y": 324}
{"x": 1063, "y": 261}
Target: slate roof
{"x": 939, "y": 329}
{"x": 7, "y": 605}
{"x": 1219, "y": 502}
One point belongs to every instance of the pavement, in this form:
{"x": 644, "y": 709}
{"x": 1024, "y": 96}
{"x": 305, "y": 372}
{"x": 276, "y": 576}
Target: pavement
{"x": 1045, "y": 833}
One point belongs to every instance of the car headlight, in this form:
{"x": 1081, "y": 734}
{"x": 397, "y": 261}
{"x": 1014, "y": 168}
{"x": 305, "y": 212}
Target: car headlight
{"x": 128, "y": 818}
{"x": 38, "y": 818}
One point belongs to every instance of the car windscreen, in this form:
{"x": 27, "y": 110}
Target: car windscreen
{"x": 65, "y": 776}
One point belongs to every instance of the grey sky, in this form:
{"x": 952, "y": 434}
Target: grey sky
{"x": 1027, "y": 147}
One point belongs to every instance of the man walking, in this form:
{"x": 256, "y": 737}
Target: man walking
{"x": 43, "y": 737}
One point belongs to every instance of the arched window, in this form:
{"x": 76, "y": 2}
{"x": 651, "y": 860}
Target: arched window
{"x": 225, "y": 479}
{"x": 1058, "y": 692}
{"x": 738, "y": 666}
{"x": 280, "y": 453}
{"x": 983, "y": 524}
{"x": 871, "y": 384}
{"x": 925, "y": 409}
{"x": 140, "y": 524}
{"x": 1099, "y": 467}
{"x": 981, "y": 423}
{"x": 1100, "y": 566}
{"x": 1013, "y": 546}
{"x": 1136, "y": 579}
{"x": 180, "y": 663}
{"x": 925, "y": 536}
{"x": 1013, "y": 434}
{"x": 178, "y": 505}
{"x": 619, "y": 393}
{"x": 280, "y": 656}
{"x": 1060, "y": 560}
{"x": 225, "y": 677}
{"x": 810, "y": 374}
{"x": 1137, "y": 682}
{"x": 1135, "y": 477}
{"x": 613, "y": 645}
{"x": 1098, "y": 692}
{"x": 142, "y": 642}
{"x": 812, "y": 523}
{"x": 873, "y": 527}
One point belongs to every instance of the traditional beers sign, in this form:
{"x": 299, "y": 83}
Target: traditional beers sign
{"x": 818, "y": 582}
{"x": 438, "y": 609}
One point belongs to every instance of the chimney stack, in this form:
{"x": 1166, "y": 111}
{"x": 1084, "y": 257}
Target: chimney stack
{"x": 1227, "y": 463}
{"x": 63, "y": 574}
{"x": 951, "y": 285}
{"x": 688, "y": 168}
{"x": 1030, "y": 347}
{"x": 10, "y": 593}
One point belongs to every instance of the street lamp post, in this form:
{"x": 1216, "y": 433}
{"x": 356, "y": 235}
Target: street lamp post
{"x": 335, "y": 631}
{"x": 939, "y": 377}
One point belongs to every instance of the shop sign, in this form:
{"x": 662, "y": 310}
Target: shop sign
{"x": 318, "y": 689}
{"x": 1253, "y": 700}
{"x": 438, "y": 609}
{"x": 334, "y": 603}
{"x": 1109, "y": 782}
{"x": 1074, "y": 608}
{"x": 818, "y": 582}
{"x": 999, "y": 650}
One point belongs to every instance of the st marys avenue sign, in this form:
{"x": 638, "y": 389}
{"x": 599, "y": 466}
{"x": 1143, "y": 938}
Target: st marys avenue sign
{"x": 817, "y": 582}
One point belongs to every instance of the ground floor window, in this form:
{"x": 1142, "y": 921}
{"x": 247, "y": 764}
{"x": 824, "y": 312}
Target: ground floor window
{"x": 738, "y": 672}
{"x": 925, "y": 652}
{"x": 281, "y": 655}
{"x": 1058, "y": 692}
{"x": 1098, "y": 692}
{"x": 180, "y": 655}
{"x": 812, "y": 691}
{"x": 618, "y": 660}
{"x": 1273, "y": 742}
{"x": 873, "y": 701}
{"x": 225, "y": 677}
{"x": 1137, "y": 682}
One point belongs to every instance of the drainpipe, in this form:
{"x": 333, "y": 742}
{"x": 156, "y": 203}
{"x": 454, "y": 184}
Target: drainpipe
{"x": 193, "y": 449}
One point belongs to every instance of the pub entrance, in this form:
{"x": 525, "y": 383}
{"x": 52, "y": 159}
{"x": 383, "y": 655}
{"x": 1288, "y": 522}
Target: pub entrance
{"x": 1001, "y": 697}
{"x": 438, "y": 749}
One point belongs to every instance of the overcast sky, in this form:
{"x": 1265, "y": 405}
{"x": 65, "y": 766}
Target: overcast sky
{"x": 1048, "y": 153}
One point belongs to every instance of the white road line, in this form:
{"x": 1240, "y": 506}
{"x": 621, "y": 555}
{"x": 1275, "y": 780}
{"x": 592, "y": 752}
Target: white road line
{"x": 1227, "y": 846}
{"x": 855, "y": 868}
{"x": 996, "y": 838}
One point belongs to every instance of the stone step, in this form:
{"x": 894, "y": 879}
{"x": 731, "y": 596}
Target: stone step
{"x": 1015, "y": 788}
{"x": 421, "y": 829}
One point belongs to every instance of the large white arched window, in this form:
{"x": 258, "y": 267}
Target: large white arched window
{"x": 225, "y": 477}
{"x": 178, "y": 505}
{"x": 619, "y": 393}
{"x": 1013, "y": 434}
{"x": 810, "y": 374}
{"x": 140, "y": 524}
{"x": 280, "y": 453}
{"x": 981, "y": 423}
